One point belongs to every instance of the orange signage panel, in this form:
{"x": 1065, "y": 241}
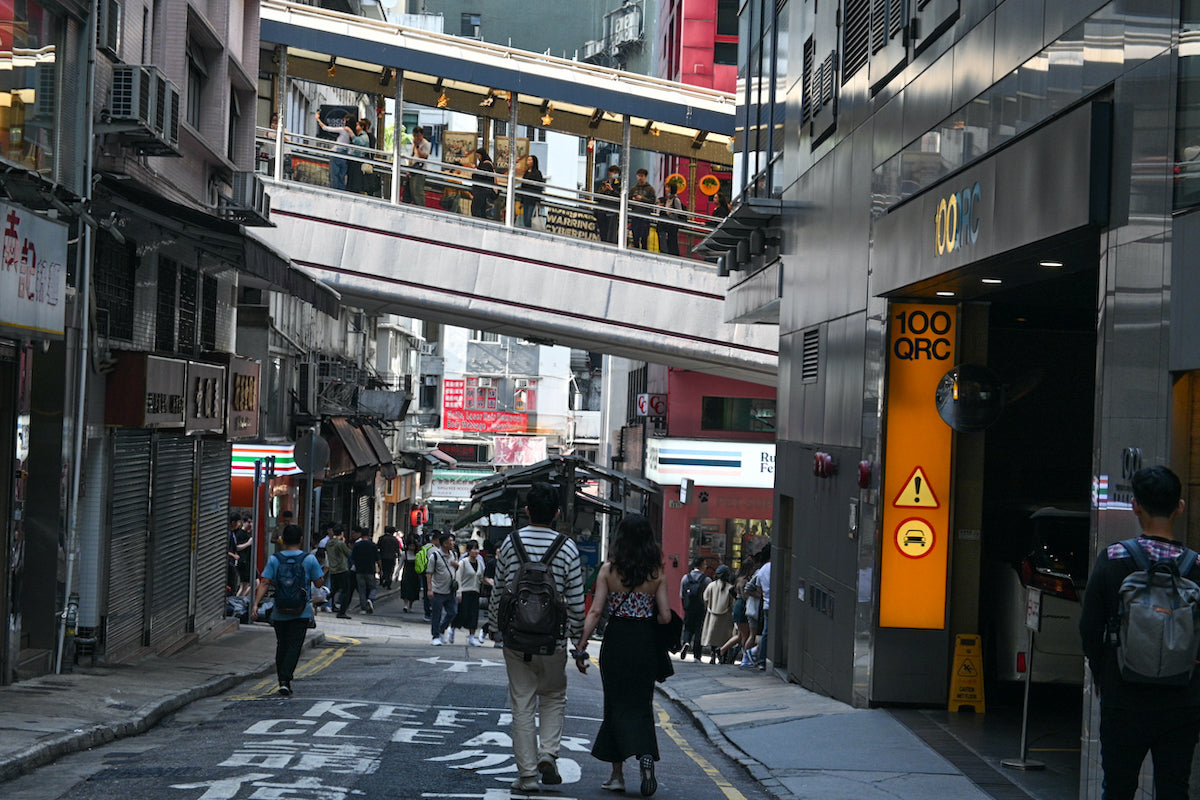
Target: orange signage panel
{"x": 912, "y": 569}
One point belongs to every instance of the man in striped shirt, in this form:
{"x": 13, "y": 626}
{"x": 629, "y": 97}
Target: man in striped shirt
{"x": 537, "y": 684}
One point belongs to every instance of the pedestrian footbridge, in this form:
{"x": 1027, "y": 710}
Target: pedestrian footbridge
{"x": 404, "y": 237}
{"x": 479, "y": 274}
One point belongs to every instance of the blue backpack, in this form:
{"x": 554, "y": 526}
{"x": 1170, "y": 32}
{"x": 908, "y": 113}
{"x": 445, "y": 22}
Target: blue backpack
{"x": 291, "y": 584}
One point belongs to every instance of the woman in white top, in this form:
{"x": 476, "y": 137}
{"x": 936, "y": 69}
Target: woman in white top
{"x": 470, "y": 573}
{"x": 337, "y": 164}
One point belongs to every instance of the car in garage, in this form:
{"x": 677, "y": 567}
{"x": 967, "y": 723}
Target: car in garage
{"x": 1047, "y": 548}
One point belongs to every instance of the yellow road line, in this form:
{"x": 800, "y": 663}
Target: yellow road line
{"x": 727, "y": 788}
{"x": 320, "y": 661}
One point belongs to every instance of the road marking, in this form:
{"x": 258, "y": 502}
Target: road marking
{"x": 727, "y": 788}
{"x": 320, "y": 661}
{"x": 458, "y": 666}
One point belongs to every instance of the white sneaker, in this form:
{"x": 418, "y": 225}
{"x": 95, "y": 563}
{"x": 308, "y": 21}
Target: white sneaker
{"x": 436, "y": 641}
{"x": 450, "y": 636}
{"x": 474, "y": 641}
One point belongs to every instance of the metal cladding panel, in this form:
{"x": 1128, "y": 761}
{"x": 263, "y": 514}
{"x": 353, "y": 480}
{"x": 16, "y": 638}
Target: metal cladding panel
{"x": 129, "y": 533}
{"x": 1031, "y": 190}
{"x": 631, "y": 303}
{"x": 211, "y": 524}
{"x": 171, "y": 538}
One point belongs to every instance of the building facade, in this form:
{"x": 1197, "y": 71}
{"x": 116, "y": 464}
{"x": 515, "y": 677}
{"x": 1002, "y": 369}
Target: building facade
{"x": 971, "y": 220}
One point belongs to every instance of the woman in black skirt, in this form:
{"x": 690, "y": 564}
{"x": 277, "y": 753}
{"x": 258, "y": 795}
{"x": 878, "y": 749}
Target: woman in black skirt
{"x": 410, "y": 581}
{"x": 633, "y": 588}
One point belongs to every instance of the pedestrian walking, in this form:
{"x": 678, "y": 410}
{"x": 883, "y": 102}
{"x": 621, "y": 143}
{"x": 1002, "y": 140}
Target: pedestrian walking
{"x": 470, "y": 576}
{"x": 410, "y": 581}
{"x": 537, "y": 683}
{"x": 691, "y": 595}
{"x": 365, "y": 558}
{"x": 389, "y": 553}
{"x": 632, "y": 588}
{"x": 337, "y": 559}
{"x": 232, "y": 556}
{"x": 290, "y": 572}
{"x": 742, "y": 638}
{"x": 718, "y": 616}
{"x": 760, "y": 588}
{"x": 442, "y": 587}
{"x": 1139, "y": 715}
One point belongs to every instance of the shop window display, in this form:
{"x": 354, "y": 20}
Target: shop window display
{"x": 727, "y": 541}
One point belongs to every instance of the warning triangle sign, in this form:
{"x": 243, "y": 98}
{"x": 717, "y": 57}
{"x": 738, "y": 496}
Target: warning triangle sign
{"x": 917, "y": 493}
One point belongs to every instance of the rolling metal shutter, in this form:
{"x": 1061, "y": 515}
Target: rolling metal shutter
{"x": 171, "y": 547}
{"x": 212, "y": 525}
{"x": 128, "y": 535}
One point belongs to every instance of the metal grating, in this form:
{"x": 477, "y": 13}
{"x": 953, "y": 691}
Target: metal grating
{"x": 810, "y": 360}
{"x": 897, "y": 16}
{"x": 128, "y": 531}
{"x": 164, "y": 321}
{"x": 808, "y": 81}
{"x": 114, "y": 285}
{"x": 189, "y": 306}
{"x": 211, "y": 524}
{"x": 171, "y": 538}
{"x": 208, "y": 314}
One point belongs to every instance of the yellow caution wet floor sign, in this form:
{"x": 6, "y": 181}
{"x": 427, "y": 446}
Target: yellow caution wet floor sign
{"x": 966, "y": 674}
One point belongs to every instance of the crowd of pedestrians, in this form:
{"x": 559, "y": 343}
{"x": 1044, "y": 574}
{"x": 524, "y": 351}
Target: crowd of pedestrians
{"x": 725, "y": 616}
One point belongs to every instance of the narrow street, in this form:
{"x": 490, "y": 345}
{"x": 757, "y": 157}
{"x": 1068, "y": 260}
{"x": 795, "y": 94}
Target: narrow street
{"x": 378, "y": 713}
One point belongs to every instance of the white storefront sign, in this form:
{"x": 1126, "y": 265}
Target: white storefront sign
{"x": 33, "y": 274}
{"x": 749, "y": 465}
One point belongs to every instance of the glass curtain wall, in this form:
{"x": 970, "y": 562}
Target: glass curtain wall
{"x": 762, "y": 75}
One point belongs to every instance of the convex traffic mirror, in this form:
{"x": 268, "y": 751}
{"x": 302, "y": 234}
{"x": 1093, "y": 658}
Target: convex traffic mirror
{"x": 970, "y": 397}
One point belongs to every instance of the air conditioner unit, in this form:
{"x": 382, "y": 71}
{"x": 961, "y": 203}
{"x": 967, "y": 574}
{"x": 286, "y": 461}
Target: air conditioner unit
{"x": 45, "y": 91}
{"x": 166, "y": 110}
{"x": 131, "y": 98}
{"x": 428, "y": 348}
{"x": 249, "y": 193}
{"x": 521, "y": 383}
{"x": 108, "y": 27}
{"x": 485, "y": 383}
{"x": 143, "y": 110}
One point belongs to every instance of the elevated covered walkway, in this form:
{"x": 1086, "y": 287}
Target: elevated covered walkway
{"x": 478, "y": 274}
{"x": 572, "y": 275}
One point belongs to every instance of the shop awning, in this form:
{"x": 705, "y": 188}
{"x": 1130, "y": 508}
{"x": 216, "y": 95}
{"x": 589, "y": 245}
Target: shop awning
{"x": 244, "y": 456}
{"x": 355, "y": 453}
{"x": 382, "y": 452}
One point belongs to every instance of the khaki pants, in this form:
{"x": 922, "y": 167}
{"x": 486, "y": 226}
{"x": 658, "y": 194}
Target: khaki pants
{"x": 536, "y": 687}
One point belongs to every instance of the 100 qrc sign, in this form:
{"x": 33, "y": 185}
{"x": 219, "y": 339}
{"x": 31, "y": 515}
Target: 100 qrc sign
{"x": 914, "y": 343}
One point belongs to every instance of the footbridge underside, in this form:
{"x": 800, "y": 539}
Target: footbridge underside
{"x": 477, "y": 274}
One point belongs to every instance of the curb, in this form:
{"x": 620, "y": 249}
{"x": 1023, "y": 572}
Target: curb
{"x": 756, "y": 769}
{"x": 140, "y": 721}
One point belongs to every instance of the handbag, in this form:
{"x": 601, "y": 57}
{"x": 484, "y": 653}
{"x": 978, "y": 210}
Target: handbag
{"x": 667, "y": 641}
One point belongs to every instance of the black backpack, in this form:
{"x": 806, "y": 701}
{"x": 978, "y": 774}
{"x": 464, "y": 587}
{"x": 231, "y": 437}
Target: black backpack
{"x": 693, "y": 595}
{"x": 532, "y": 613}
{"x": 291, "y": 584}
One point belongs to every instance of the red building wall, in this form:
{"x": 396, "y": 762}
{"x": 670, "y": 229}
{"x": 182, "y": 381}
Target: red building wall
{"x": 685, "y": 391}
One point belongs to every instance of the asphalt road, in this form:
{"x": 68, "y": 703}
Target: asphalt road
{"x": 378, "y": 713}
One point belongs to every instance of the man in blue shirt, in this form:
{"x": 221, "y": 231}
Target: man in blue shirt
{"x": 289, "y": 628}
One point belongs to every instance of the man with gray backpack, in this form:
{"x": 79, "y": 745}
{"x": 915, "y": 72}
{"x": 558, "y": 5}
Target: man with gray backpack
{"x": 536, "y": 606}
{"x": 1141, "y": 632}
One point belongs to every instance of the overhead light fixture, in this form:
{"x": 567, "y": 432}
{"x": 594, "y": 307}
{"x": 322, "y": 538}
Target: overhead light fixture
{"x": 698, "y": 139}
{"x": 546, "y": 109}
{"x": 385, "y": 77}
{"x": 945, "y": 294}
{"x": 596, "y": 118}
{"x": 654, "y": 131}
{"x": 992, "y": 281}
{"x": 489, "y": 100}
{"x": 443, "y": 101}
{"x": 648, "y": 127}
{"x": 1049, "y": 263}
{"x": 332, "y": 66}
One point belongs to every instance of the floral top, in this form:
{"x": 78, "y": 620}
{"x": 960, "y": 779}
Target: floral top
{"x": 631, "y": 605}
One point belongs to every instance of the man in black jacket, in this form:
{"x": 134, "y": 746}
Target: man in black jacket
{"x": 1136, "y": 718}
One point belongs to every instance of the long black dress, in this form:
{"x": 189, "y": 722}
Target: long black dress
{"x": 628, "y": 665}
{"x": 410, "y": 581}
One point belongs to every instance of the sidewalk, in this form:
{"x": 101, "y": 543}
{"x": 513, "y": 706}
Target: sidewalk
{"x": 797, "y": 744}
{"x": 51, "y": 716}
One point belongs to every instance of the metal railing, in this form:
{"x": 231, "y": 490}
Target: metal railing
{"x": 460, "y": 189}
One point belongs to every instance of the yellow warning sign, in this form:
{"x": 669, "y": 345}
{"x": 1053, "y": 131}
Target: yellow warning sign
{"x": 966, "y": 675}
{"x": 917, "y": 493}
{"x": 915, "y": 537}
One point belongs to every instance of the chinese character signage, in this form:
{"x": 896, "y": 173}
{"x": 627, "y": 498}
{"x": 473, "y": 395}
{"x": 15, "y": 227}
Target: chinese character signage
{"x": 471, "y": 405}
{"x": 33, "y": 275}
